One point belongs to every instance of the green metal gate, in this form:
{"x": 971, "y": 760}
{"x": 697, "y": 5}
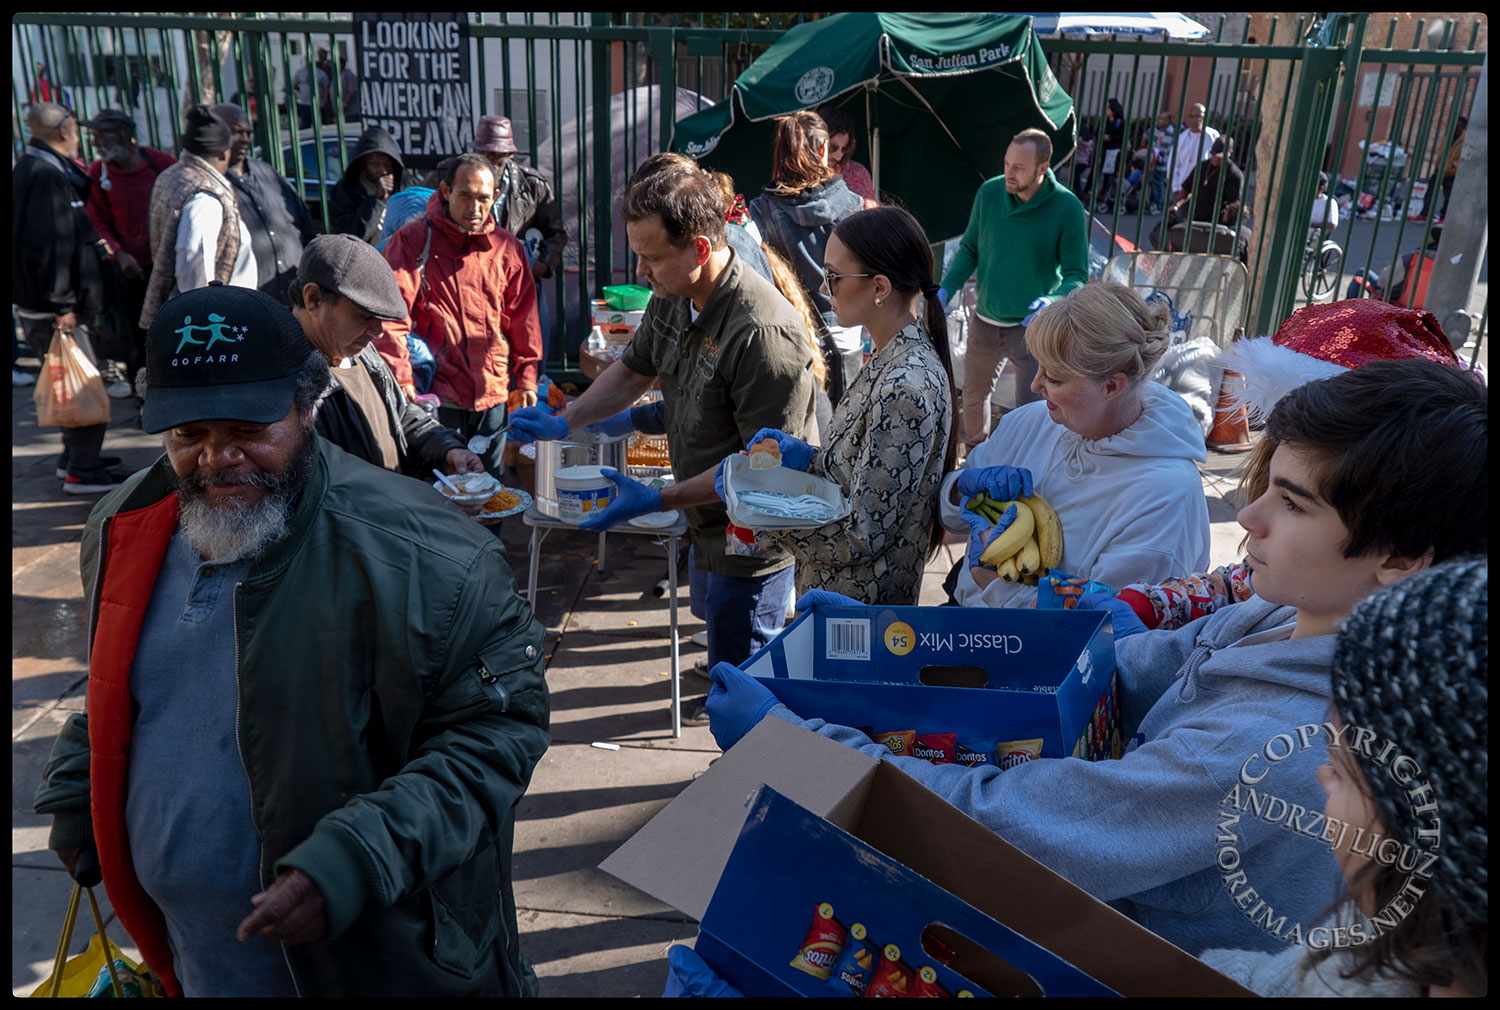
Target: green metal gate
{"x": 1321, "y": 67}
{"x": 547, "y": 73}
{"x": 550, "y": 74}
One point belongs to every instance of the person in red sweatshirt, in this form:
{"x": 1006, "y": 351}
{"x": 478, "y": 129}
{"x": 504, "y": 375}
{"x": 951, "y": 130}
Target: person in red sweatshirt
{"x": 118, "y": 205}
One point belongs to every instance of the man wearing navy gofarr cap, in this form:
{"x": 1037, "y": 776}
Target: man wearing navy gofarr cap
{"x": 314, "y": 696}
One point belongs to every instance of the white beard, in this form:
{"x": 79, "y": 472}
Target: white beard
{"x": 225, "y": 533}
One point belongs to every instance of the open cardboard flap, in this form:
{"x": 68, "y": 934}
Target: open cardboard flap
{"x": 679, "y": 856}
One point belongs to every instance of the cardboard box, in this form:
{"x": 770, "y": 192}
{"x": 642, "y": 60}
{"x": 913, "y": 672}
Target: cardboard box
{"x": 607, "y": 317}
{"x": 919, "y": 849}
{"x": 981, "y": 673}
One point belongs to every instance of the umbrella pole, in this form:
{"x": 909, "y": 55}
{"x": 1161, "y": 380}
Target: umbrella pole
{"x": 874, "y": 141}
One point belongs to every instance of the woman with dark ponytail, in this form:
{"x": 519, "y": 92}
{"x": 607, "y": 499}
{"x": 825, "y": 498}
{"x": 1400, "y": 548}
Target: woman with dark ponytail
{"x": 895, "y": 433}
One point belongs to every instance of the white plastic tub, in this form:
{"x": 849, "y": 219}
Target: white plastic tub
{"x": 582, "y": 491}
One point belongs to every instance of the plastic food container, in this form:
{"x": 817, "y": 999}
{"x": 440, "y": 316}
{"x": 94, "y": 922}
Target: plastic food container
{"x": 477, "y": 488}
{"x": 627, "y": 297}
{"x": 581, "y": 491}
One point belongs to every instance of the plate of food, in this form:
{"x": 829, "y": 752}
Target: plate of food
{"x": 507, "y": 501}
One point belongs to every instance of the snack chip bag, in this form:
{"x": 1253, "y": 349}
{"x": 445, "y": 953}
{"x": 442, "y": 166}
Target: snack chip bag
{"x": 1060, "y": 591}
{"x": 927, "y": 984}
{"x": 973, "y": 753}
{"x": 900, "y": 741}
{"x": 1015, "y": 752}
{"x": 855, "y": 964}
{"x": 892, "y": 978}
{"x": 939, "y": 748}
{"x": 821, "y": 947}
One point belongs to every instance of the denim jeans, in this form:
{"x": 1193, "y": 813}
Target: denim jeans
{"x": 743, "y": 614}
{"x": 543, "y": 312}
{"x": 1158, "y": 186}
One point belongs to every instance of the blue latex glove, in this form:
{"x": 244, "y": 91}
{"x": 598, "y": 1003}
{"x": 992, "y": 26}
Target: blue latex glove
{"x": 943, "y": 297}
{"x": 823, "y": 598}
{"x": 537, "y": 424}
{"x": 650, "y": 418}
{"x": 1127, "y": 622}
{"x": 1002, "y": 483}
{"x": 620, "y": 424}
{"x": 632, "y": 499}
{"x": 689, "y": 975}
{"x": 981, "y": 532}
{"x": 795, "y": 453}
{"x": 736, "y": 703}
{"x": 1037, "y": 305}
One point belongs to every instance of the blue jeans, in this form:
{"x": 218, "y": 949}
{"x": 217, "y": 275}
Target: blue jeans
{"x": 544, "y": 314}
{"x": 1158, "y": 186}
{"x": 743, "y": 613}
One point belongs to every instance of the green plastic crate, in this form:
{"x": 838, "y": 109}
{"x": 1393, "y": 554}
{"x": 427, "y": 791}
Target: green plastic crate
{"x": 627, "y": 297}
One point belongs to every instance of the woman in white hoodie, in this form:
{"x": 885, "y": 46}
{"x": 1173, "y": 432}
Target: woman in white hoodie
{"x": 1114, "y": 453}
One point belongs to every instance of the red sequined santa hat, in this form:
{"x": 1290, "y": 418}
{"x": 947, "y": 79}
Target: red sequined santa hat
{"x": 1321, "y": 341}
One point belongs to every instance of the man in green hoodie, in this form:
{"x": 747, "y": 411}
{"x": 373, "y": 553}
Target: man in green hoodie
{"x": 1026, "y": 245}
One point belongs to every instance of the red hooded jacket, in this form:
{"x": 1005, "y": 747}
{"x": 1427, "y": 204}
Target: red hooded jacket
{"x": 475, "y": 307}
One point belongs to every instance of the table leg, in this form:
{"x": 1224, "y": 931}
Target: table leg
{"x": 535, "y": 551}
{"x": 601, "y": 554}
{"x": 672, "y": 548}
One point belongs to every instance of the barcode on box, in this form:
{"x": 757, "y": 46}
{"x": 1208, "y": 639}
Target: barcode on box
{"x": 847, "y": 638}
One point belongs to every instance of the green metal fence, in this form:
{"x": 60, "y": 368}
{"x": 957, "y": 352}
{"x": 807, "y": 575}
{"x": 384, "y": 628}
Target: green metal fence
{"x": 591, "y": 95}
{"x": 548, "y": 73}
{"x": 1286, "y": 133}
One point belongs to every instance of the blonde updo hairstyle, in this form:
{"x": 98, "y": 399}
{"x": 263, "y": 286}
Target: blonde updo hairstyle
{"x": 1098, "y": 330}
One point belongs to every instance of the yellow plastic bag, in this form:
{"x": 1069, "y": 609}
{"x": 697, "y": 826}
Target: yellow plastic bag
{"x": 70, "y": 391}
{"x": 94, "y": 972}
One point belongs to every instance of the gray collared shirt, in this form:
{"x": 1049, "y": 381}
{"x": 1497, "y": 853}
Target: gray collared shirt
{"x": 743, "y": 364}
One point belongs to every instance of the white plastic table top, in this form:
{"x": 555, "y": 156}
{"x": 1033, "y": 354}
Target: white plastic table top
{"x": 541, "y": 525}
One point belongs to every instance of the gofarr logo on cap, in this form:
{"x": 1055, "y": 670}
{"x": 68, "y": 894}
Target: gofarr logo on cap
{"x": 221, "y": 352}
{"x": 218, "y": 332}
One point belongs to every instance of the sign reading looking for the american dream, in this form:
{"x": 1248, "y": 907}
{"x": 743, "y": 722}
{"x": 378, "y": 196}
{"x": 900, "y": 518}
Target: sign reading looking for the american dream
{"x": 414, "y": 81}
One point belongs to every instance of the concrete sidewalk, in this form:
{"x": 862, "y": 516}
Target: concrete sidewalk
{"x": 586, "y": 933}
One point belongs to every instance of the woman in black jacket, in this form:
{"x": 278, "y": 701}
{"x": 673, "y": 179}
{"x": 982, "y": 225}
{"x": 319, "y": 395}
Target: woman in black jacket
{"x": 796, "y": 214}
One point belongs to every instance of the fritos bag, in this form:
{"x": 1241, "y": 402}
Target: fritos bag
{"x": 70, "y": 391}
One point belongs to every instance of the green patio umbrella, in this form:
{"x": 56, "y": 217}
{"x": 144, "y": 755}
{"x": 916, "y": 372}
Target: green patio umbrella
{"x": 936, "y": 99}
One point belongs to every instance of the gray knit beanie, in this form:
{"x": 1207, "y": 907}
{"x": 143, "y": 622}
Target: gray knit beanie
{"x": 1412, "y": 665}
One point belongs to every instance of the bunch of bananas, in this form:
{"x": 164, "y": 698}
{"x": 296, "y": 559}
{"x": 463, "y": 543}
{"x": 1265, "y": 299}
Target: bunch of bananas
{"x": 1028, "y": 548}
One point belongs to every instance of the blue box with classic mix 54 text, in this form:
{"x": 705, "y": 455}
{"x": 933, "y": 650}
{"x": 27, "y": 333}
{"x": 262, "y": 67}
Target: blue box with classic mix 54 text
{"x": 1011, "y": 675}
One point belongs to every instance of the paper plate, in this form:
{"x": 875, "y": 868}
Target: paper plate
{"x": 491, "y": 487}
{"x": 656, "y": 520}
{"x": 520, "y": 506}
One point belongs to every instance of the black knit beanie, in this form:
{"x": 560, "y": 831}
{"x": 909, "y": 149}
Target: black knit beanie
{"x": 204, "y": 133}
{"x": 1412, "y": 665}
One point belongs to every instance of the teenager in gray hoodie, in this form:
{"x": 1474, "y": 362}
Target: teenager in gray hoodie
{"x": 1411, "y": 667}
{"x": 1170, "y": 834}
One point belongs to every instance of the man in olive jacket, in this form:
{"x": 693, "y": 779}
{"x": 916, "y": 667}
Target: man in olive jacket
{"x": 314, "y": 696}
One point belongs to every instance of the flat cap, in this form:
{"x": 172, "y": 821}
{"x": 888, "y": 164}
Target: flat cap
{"x": 353, "y": 268}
